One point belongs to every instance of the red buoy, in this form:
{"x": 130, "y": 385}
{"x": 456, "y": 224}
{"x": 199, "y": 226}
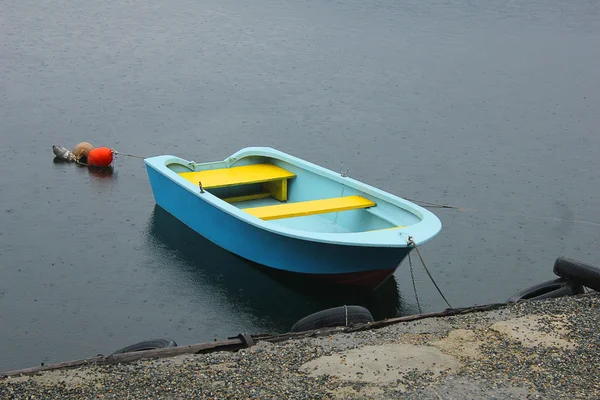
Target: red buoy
{"x": 100, "y": 157}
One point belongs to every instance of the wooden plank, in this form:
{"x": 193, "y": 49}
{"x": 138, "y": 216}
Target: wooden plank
{"x": 278, "y": 189}
{"x": 312, "y": 207}
{"x": 222, "y": 345}
{"x": 235, "y": 344}
{"x": 50, "y": 367}
{"x": 247, "y": 174}
{"x": 175, "y": 351}
{"x": 247, "y": 197}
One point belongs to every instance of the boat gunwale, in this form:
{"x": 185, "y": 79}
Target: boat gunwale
{"x": 424, "y": 230}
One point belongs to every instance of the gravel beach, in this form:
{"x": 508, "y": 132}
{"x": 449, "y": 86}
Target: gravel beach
{"x": 546, "y": 349}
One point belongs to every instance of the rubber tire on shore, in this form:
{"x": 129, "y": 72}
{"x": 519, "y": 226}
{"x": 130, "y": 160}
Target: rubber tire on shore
{"x": 333, "y": 317}
{"x": 147, "y": 345}
{"x": 547, "y": 290}
{"x": 579, "y": 272}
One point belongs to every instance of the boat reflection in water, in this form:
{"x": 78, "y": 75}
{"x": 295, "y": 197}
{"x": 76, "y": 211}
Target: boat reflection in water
{"x": 281, "y": 298}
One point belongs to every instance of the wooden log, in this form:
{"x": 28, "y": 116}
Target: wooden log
{"x": 60, "y": 365}
{"x": 446, "y": 313}
{"x": 233, "y": 344}
{"x": 224, "y": 345}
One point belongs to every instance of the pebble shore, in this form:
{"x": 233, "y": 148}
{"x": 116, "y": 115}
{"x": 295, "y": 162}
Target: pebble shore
{"x": 546, "y": 349}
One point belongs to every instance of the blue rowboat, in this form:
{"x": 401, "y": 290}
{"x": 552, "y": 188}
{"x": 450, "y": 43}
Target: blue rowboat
{"x": 286, "y": 213}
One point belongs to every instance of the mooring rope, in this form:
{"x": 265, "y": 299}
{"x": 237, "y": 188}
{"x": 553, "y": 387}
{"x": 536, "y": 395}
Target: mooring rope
{"x": 432, "y": 205}
{"x": 410, "y": 241}
{"x": 346, "y": 309}
{"x": 126, "y": 154}
{"x": 412, "y": 275}
{"x": 428, "y": 204}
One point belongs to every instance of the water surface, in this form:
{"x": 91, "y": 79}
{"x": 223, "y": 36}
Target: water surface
{"x": 492, "y": 108}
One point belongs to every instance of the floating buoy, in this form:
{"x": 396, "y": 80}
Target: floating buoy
{"x": 82, "y": 150}
{"x": 100, "y": 157}
{"x": 63, "y": 154}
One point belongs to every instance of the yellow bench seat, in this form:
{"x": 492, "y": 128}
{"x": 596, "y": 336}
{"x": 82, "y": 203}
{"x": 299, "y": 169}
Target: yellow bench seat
{"x": 246, "y": 174}
{"x": 312, "y": 207}
{"x": 273, "y": 178}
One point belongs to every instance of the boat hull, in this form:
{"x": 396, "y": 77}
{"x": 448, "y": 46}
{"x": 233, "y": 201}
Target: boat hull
{"x": 365, "y": 266}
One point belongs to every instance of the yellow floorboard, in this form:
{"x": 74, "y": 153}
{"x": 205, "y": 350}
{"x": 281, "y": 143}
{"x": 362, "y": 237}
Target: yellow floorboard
{"x": 312, "y": 207}
{"x": 243, "y": 175}
{"x": 247, "y": 197}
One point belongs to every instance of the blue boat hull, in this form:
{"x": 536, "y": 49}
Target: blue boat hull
{"x": 356, "y": 265}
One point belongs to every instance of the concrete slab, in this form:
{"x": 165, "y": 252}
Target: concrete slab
{"x": 382, "y": 364}
{"x": 536, "y": 330}
{"x": 459, "y": 343}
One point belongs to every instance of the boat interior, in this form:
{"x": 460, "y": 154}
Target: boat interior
{"x": 291, "y": 196}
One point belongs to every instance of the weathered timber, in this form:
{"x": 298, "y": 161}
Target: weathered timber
{"x": 237, "y": 343}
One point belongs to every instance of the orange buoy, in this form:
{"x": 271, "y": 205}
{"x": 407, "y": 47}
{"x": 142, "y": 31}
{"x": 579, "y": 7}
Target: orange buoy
{"x": 100, "y": 157}
{"x": 81, "y": 150}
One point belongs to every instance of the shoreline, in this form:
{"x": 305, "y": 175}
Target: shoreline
{"x": 537, "y": 349}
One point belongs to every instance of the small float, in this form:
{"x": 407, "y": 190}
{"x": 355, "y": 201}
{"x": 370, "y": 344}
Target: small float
{"x": 85, "y": 154}
{"x": 289, "y": 214}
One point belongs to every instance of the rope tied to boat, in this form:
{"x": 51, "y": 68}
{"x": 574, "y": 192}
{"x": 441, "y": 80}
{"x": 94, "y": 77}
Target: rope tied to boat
{"x": 412, "y": 275}
{"x": 412, "y": 243}
{"x": 125, "y": 154}
{"x": 346, "y": 310}
{"x": 428, "y": 204}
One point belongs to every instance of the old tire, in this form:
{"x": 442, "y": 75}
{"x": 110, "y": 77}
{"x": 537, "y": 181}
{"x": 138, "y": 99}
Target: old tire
{"x": 337, "y": 316}
{"x": 147, "y": 345}
{"x": 547, "y": 290}
{"x": 578, "y": 272}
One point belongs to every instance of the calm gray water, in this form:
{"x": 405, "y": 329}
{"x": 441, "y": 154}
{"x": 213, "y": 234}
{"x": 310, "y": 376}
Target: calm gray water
{"x": 488, "y": 106}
